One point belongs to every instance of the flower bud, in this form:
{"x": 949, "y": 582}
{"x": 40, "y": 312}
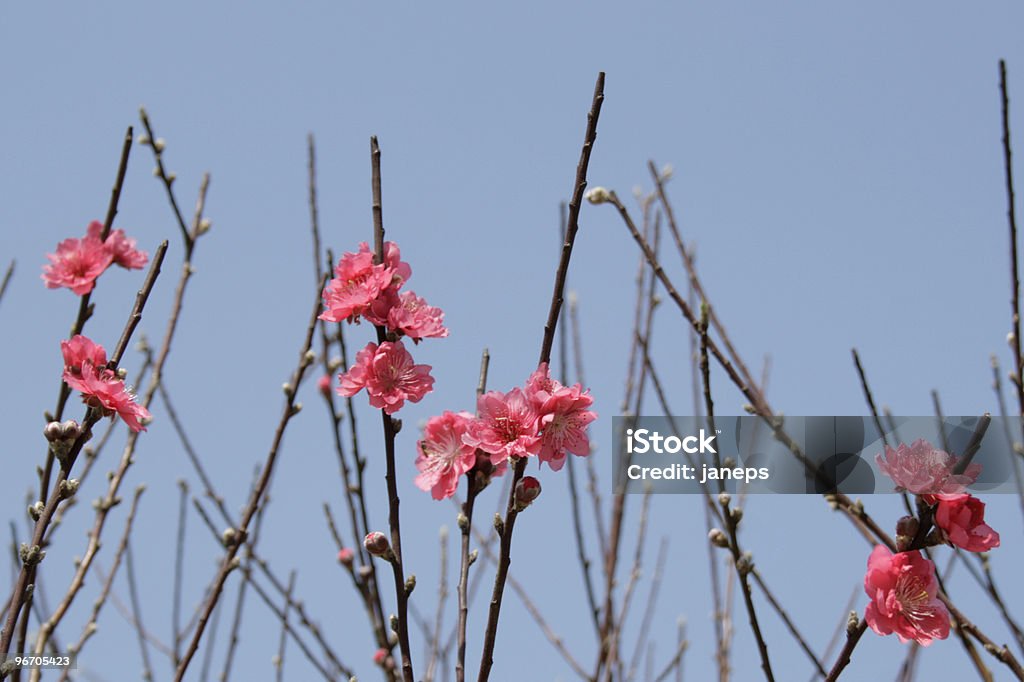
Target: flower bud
{"x": 345, "y": 557}
{"x": 906, "y": 531}
{"x": 598, "y": 195}
{"x": 323, "y": 384}
{"x": 376, "y": 543}
{"x": 717, "y": 538}
{"x": 527, "y": 490}
{"x": 379, "y": 656}
{"x": 724, "y": 499}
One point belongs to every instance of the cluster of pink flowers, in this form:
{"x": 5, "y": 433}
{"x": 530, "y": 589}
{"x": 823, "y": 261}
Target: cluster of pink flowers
{"x": 902, "y": 587}
{"x": 85, "y": 370}
{"x": 363, "y": 289}
{"x": 544, "y": 419}
{"x": 78, "y": 262}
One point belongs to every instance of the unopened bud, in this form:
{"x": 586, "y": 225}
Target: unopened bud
{"x": 376, "y": 543}
{"x": 906, "y": 531}
{"x": 527, "y": 490}
{"x": 499, "y": 525}
{"x": 323, "y": 384}
{"x": 393, "y": 622}
{"x": 159, "y": 144}
{"x": 204, "y": 226}
{"x": 463, "y": 522}
{"x": 724, "y": 499}
{"x": 852, "y": 623}
{"x": 379, "y": 656}
{"x": 598, "y": 195}
{"x": 473, "y": 556}
{"x": 737, "y": 515}
{"x": 229, "y": 537}
{"x": 143, "y": 138}
{"x": 410, "y": 584}
{"x": 36, "y": 510}
{"x": 345, "y": 556}
{"x": 68, "y": 488}
{"x": 717, "y": 538}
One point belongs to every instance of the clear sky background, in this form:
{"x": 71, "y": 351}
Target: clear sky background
{"x": 839, "y": 170}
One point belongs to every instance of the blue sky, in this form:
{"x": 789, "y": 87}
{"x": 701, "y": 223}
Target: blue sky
{"x": 839, "y": 170}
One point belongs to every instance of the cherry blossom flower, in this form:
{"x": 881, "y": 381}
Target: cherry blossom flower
{"x": 563, "y": 417}
{"x": 903, "y": 592}
{"x": 400, "y": 270}
{"x": 79, "y": 350}
{"x": 76, "y": 264}
{"x": 962, "y": 521}
{"x": 356, "y": 285}
{"x": 923, "y": 469}
{"x": 506, "y": 426}
{"x": 388, "y": 374}
{"x": 443, "y": 457}
{"x": 85, "y": 370}
{"x": 407, "y": 314}
{"x": 122, "y": 248}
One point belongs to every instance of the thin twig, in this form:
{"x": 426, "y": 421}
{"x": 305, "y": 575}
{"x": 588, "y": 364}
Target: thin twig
{"x": 505, "y": 558}
{"x": 179, "y": 572}
{"x": 7, "y": 279}
{"x": 227, "y": 563}
{"x": 283, "y": 639}
{"x": 1011, "y": 217}
{"x": 97, "y": 605}
{"x": 133, "y": 595}
{"x": 85, "y": 308}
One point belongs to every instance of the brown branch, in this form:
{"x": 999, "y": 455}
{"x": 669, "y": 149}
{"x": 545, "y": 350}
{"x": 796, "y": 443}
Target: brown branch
{"x": 505, "y": 558}
{"x": 388, "y": 423}
{"x": 84, "y": 307}
{"x": 306, "y": 358}
{"x": 1011, "y": 217}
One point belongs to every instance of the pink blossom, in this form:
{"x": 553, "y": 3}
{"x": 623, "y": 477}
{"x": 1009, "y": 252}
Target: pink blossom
{"x": 122, "y": 248}
{"x": 407, "y": 314}
{"x": 962, "y": 521}
{"x": 323, "y": 384}
{"x": 923, "y": 469}
{"x": 400, "y": 270}
{"x": 103, "y": 390}
{"x": 76, "y": 264}
{"x": 356, "y": 285}
{"x": 563, "y": 417}
{"x": 443, "y": 457}
{"x": 85, "y": 370}
{"x": 506, "y": 426}
{"x": 388, "y": 374}
{"x": 903, "y": 592}
{"x": 79, "y": 350}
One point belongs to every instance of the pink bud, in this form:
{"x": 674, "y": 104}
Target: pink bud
{"x": 527, "y": 490}
{"x": 323, "y": 384}
{"x": 376, "y": 543}
{"x": 345, "y": 557}
{"x": 379, "y": 656}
